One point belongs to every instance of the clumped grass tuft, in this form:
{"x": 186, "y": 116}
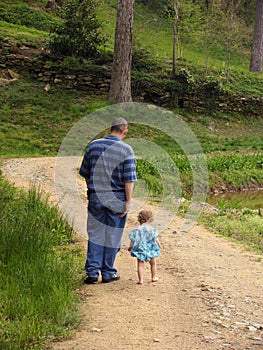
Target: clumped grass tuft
{"x": 39, "y": 271}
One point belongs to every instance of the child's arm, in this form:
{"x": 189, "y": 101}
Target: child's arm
{"x": 158, "y": 242}
{"x": 130, "y": 246}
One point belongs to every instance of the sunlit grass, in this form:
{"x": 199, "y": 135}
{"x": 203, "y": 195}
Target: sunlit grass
{"x": 244, "y": 226}
{"x": 35, "y": 122}
{"x": 39, "y": 270}
{"x": 21, "y": 34}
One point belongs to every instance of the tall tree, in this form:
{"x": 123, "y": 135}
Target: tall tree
{"x": 120, "y": 88}
{"x": 257, "y": 48}
{"x": 230, "y": 28}
{"x": 175, "y": 35}
{"x": 188, "y": 24}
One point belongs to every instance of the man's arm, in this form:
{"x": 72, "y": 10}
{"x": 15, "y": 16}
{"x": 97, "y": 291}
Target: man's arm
{"x": 128, "y": 194}
{"x": 128, "y": 190}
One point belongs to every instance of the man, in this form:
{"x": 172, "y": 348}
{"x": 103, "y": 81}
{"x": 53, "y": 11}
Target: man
{"x": 109, "y": 169}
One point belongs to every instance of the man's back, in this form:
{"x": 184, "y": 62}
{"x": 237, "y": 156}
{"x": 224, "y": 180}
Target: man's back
{"x": 108, "y": 163}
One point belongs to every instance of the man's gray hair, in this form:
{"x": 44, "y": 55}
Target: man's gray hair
{"x": 119, "y": 125}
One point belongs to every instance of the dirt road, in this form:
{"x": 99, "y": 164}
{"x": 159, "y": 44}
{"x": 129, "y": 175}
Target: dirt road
{"x": 209, "y": 295}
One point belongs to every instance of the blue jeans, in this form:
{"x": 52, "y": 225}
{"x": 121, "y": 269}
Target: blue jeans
{"x": 105, "y": 228}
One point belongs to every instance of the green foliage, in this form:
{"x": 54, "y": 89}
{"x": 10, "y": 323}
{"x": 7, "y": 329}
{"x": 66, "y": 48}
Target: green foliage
{"x": 233, "y": 170}
{"x": 243, "y": 178}
{"x": 79, "y": 34}
{"x": 38, "y": 273}
{"x": 183, "y": 81}
{"x": 224, "y": 162}
{"x": 244, "y": 226}
{"x": 143, "y": 58}
{"x": 246, "y": 10}
{"x": 22, "y": 14}
{"x": 157, "y": 5}
{"x": 189, "y": 25}
{"x": 147, "y": 172}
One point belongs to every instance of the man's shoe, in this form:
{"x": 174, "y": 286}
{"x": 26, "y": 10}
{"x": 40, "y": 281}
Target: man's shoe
{"x": 113, "y": 278}
{"x": 91, "y": 280}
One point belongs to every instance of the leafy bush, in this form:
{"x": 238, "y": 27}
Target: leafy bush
{"x": 79, "y": 33}
{"x": 22, "y": 14}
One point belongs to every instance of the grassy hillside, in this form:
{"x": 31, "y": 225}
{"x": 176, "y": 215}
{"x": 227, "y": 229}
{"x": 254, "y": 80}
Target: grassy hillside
{"x": 153, "y": 39}
{"x": 34, "y": 121}
{"x": 151, "y": 31}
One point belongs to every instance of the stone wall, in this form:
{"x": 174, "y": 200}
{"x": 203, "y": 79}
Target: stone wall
{"x": 96, "y": 80}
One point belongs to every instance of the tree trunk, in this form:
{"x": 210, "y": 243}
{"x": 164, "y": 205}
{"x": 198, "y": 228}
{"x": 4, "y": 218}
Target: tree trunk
{"x": 257, "y": 49}
{"x": 175, "y": 35}
{"x": 120, "y": 88}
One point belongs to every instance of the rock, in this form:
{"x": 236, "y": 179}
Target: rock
{"x": 156, "y": 340}
{"x": 6, "y": 81}
{"x": 57, "y": 81}
{"x": 259, "y": 343}
{"x": 47, "y": 87}
{"x": 225, "y": 345}
{"x": 241, "y": 324}
{"x": 13, "y": 75}
{"x": 217, "y": 322}
{"x": 95, "y": 329}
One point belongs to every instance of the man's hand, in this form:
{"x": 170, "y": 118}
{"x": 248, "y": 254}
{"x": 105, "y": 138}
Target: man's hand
{"x": 127, "y": 208}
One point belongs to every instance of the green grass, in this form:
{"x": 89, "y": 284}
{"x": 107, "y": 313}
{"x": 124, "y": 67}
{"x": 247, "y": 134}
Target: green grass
{"x": 39, "y": 270}
{"x": 243, "y": 226}
{"x": 22, "y": 14}
{"x": 34, "y": 122}
{"x": 20, "y": 34}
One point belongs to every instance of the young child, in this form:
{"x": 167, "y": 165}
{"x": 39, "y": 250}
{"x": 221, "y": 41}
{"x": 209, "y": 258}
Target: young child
{"x": 144, "y": 245}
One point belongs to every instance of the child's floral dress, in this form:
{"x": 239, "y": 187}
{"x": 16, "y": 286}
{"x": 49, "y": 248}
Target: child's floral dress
{"x": 145, "y": 246}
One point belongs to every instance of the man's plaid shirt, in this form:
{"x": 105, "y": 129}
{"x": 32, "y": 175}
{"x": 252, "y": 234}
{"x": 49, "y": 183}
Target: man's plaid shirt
{"x": 108, "y": 163}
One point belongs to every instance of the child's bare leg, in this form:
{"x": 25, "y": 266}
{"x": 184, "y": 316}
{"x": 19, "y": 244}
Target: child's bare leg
{"x": 154, "y": 270}
{"x": 140, "y": 267}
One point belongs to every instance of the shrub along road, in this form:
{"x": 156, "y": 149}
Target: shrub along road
{"x": 209, "y": 295}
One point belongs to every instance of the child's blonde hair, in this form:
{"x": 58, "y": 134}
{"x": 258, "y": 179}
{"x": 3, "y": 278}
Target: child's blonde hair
{"x": 144, "y": 216}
